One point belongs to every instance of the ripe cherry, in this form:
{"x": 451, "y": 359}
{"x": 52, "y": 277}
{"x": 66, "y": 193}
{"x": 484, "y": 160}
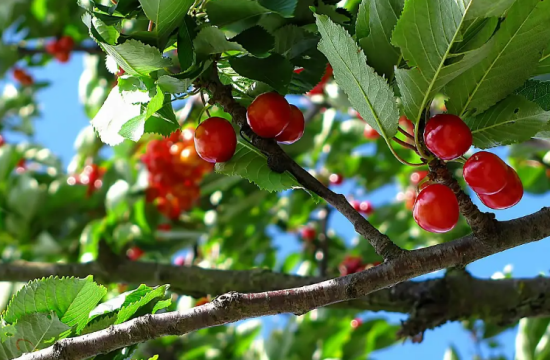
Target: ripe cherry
{"x": 507, "y": 197}
{"x": 418, "y": 176}
{"x": 62, "y": 56}
{"x": 447, "y": 136}
{"x": 65, "y": 44}
{"x": 201, "y": 301}
{"x": 269, "y": 114}
{"x": 164, "y": 227}
{"x": 408, "y": 126}
{"x": 134, "y": 253}
{"x": 215, "y": 140}
{"x": 22, "y": 77}
{"x": 366, "y": 207}
{"x": 295, "y": 129}
{"x": 179, "y": 260}
{"x": 356, "y": 205}
{"x": 52, "y": 47}
{"x": 355, "y": 323}
{"x": 370, "y": 133}
{"x": 318, "y": 89}
{"x": 335, "y": 179}
{"x": 308, "y": 233}
{"x": 2, "y": 141}
{"x": 436, "y": 209}
{"x": 350, "y": 265}
{"x": 486, "y": 173}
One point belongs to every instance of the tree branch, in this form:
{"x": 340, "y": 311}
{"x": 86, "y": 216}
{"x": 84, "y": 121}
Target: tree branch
{"x": 234, "y": 306}
{"x": 279, "y": 161}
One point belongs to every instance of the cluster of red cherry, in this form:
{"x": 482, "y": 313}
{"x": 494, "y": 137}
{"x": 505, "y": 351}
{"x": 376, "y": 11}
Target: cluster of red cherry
{"x": 90, "y": 176}
{"x": 497, "y": 185}
{"x": 269, "y": 115}
{"x": 61, "y": 48}
{"x": 175, "y": 171}
{"x": 22, "y": 77}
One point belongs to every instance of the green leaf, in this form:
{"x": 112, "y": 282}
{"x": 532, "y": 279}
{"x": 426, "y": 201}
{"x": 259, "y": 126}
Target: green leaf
{"x": 148, "y": 296}
{"x": 381, "y": 55}
{"x": 426, "y": 45}
{"x": 99, "y": 323}
{"x": 536, "y": 91}
{"x": 511, "y": 121}
{"x": 31, "y": 332}
{"x": 72, "y": 299}
{"x": 256, "y": 40}
{"x": 211, "y": 40}
{"x": 109, "y": 34}
{"x": 284, "y": 8}
{"x": 513, "y": 57}
{"x": 161, "y": 126}
{"x": 292, "y": 41}
{"x": 368, "y": 93}
{"x": 173, "y": 85}
{"x": 314, "y": 65}
{"x": 451, "y": 354}
{"x": 489, "y": 8}
{"x": 362, "y": 28}
{"x": 137, "y": 58}
{"x": 166, "y": 15}
{"x": 476, "y": 33}
{"x": 186, "y": 34}
{"x": 544, "y": 63}
{"x": 278, "y": 76}
{"x": 224, "y": 12}
{"x": 135, "y": 127}
{"x": 8, "y": 57}
{"x": 249, "y": 163}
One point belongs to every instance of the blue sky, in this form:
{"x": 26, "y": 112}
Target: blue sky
{"x": 63, "y": 117}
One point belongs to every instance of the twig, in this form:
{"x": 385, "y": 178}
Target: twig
{"x": 404, "y": 132}
{"x": 279, "y": 161}
{"x": 405, "y": 145}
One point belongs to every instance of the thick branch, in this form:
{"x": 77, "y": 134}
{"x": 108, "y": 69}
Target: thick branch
{"x": 235, "y": 306}
{"x": 279, "y": 161}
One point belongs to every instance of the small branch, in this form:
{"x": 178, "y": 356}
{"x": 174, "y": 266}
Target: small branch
{"x": 279, "y": 161}
{"x": 404, "y": 132}
{"x": 405, "y": 145}
{"x": 87, "y": 49}
{"x": 482, "y": 224}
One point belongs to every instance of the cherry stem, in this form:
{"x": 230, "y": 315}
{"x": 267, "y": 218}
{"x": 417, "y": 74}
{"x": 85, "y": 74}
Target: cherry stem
{"x": 401, "y": 160}
{"x": 417, "y": 136}
{"x": 421, "y": 182}
{"x": 204, "y": 103}
{"x": 150, "y": 27}
{"x": 404, "y": 132}
{"x": 405, "y": 144}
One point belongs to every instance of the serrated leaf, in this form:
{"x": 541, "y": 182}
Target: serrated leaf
{"x": 151, "y": 295}
{"x": 368, "y": 92}
{"x": 114, "y": 113}
{"x": 173, "y": 85}
{"x": 32, "y": 332}
{"x": 314, "y": 65}
{"x": 536, "y": 91}
{"x": 136, "y": 58}
{"x": 426, "y": 45}
{"x": 166, "y": 15}
{"x": 109, "y": 34}
{"x": 511, "y": 121}
{"x": 284, "y": 8}
{"x": 211, "y": 40}
{"x": 256, "y": 40}
{"x": 489, "y": 8}
{"x": 544, "y": 63}
{"x": 362, "y": 28}
{"x": 278, "y": 76}
{"x": 186, "y": 34}
{"x": 224, "y": 12}
{"x": 292, "y": 41}
{"x": 72, "y": 299}
{"x": 476, "y": 33}
{"x": 381, "y": 55}
{"x": 514, "y": 56}
{"x": 251, "y": 164}
{"x": 99, "y": 323}
{"x": 160, "y": 125}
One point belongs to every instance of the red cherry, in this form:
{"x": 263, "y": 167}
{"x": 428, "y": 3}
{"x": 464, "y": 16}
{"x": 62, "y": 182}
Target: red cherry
{"x": 370, "y": 133}
{"x": 406, "y": 124}
{"x": 436, "y": 209}
{"x": 486, "y": 173}
{"x": 62, "y": 56}
{"x": 308, "y": 233}
{"x": 164, "y": 227}
{"x": 269, "y": 115}
{"x": 52, "y": 47}
{"x": 410, "y": 198}
{"x": 335, "y": 179}
{"x": 215, "y": 140}
{"x": 418, "y": 176}
{"x": 299, "y": 70}
{"x": 179, "y": 261}
{"x": 134, "y": 253}
{"x": 356, "y": 205}
{"x": 295, "y": 129}
{"x": 350, "y": 265}
{"x": 355, "y": 323}
{"x": 65, "y": 44}
{"x": 201, "y": 301}
{"x": 22, "y": 77}
{"x": 507, "y": 197}
{"x": 447, "y": 136}
{"x": 366, "y": 207}
{"x": 2, "y": 141}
